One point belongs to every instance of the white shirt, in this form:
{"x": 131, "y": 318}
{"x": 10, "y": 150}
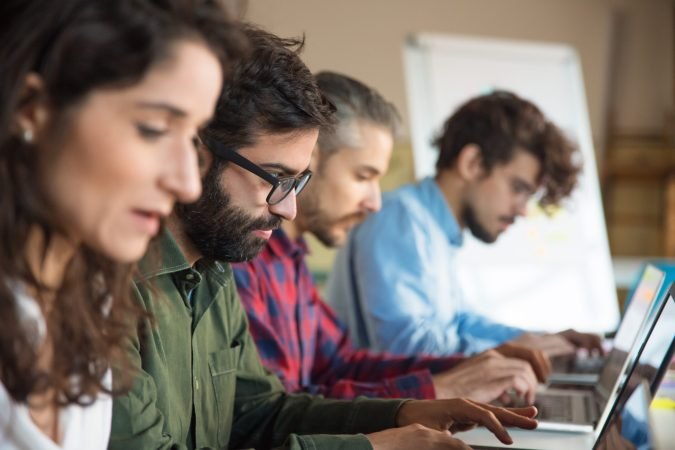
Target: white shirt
{"x": 80, "y": 427}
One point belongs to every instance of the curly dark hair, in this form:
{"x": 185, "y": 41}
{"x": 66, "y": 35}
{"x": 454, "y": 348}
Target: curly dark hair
{"x": 271, "y": 92}
{"x": 500, "y": 124}
{"x": 75, "y": 47}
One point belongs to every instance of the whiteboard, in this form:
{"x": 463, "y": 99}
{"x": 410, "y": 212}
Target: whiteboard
{"x": 544, "y": 273}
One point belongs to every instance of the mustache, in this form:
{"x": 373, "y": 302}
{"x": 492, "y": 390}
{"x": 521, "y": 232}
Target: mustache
{"x": 266, "y": 223}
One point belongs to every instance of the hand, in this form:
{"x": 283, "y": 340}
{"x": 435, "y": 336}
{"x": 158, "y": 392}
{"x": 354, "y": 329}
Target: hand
{"x": 414, "y": 436}
{"x": 540, "y": 362}
{"x": 550, "y": 344}
{"x": 461, "y": 414}
{"x": 486, "y": 377}
{"x": 588, "y": 341}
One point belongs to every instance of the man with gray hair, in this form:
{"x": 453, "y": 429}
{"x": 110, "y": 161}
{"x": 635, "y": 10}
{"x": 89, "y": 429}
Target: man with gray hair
{"x": 297, "y": 334}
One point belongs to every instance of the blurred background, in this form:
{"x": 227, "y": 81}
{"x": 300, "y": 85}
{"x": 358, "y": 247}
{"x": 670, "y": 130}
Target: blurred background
{"x": 626, "y": 49}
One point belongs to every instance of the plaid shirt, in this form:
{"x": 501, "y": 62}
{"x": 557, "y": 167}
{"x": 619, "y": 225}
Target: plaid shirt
{"x": 300, "y": 339}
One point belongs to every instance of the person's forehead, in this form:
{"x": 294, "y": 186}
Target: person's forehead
{"x": 291, "y": 150}
{"x": 523, "y": 164}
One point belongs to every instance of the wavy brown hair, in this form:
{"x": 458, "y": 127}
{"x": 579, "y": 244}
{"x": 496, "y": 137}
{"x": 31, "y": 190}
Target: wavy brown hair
{"x": 500, "y": 124}
{"x": 75, "y": 47}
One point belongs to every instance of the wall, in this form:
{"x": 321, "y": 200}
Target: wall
{"x": 625, "y": 46}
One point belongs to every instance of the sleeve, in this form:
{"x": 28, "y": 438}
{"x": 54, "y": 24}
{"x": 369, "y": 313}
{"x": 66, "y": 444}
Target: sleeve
{"x": 393, "y": 273}
{"x": 260, "y": 326}
{"x": 340, "y": 371}
{"x": 136, "y": 421}
{"x": 484, "y": 332}
{"x": 266, "y": 417}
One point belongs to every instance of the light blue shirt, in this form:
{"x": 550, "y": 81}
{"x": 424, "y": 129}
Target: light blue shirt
{"x": 395, "y": 281}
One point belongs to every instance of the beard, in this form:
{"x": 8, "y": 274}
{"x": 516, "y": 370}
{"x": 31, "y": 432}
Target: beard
{"x": 316, "y": 220}
{"x": 220, "y": 230}
{"x": 475, "y": 227}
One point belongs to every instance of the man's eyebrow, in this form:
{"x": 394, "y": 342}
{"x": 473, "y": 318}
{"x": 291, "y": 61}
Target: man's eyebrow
{"x": 171, "y": 109}
{"x": 285, "y": 170}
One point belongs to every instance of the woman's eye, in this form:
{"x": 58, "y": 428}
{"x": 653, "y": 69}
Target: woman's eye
{"x": 150, "y": 132}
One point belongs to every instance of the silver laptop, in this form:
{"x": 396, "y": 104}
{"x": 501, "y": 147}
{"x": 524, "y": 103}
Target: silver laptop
{"x": 582, "y": 368}
{"x": 582, "y": 408}
{"x": 658, "y": 333}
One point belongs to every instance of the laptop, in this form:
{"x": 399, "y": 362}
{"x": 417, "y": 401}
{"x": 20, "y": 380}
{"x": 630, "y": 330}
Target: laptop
{"x": 583, "y": 368}
{"x": 654, "y": 359}
{"x": 639, "y": 402}
{"x": 582, "y": 408}
{"x": 657, "y": 335}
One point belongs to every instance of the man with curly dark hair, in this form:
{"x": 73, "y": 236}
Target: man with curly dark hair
{"x": 395, "y": 283}
{"x": 200, "y": 381}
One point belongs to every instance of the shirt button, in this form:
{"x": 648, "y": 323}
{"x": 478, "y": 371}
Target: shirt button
{"x": 196, "y": 384}
{"x": 189, "y": 276}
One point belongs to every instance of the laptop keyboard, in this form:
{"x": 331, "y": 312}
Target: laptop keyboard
{"x": 566, "y": 409}
{"x": 554, "y": 409}
{"x": 577, "y": 364}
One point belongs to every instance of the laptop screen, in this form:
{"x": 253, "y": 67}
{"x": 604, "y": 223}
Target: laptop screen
{"x": 638, "y": 312}
{"x": 638, "y": 307}
{"x": 651, "y": 323}
{"x": 636, "y": 426}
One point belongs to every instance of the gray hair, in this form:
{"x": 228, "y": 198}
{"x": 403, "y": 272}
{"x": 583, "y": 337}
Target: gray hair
{"x": 354, "y": 102}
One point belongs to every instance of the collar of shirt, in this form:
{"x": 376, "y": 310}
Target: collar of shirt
{"x": 165, "y": 257}
{"x": 440, "y": 209}
{"x": 281, "y": 245}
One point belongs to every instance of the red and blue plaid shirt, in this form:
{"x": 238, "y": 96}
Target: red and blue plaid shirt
{"x": 301, "y": 340}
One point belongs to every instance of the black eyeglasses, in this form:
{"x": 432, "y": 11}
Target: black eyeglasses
{"x": 281, "y": 186}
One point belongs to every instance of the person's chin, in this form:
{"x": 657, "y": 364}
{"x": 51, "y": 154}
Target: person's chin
{"x": 128, "y": 251}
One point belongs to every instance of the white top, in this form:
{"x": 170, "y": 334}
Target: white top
{"x": 81, "y": 427}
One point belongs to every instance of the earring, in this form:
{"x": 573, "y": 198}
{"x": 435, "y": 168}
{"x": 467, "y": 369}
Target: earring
{"x": 27, "y": 136}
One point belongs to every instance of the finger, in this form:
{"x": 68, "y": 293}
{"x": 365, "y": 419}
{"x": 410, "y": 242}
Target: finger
{"x": 525, "y": 385}
{"x": 558, "y": 346}
{"x": 516, "y": 417}
{"x": 479, "y": 414}
{"x": 541, "y": 365}
{"x": 504, "y": 399}
{"x": 456, "y": 444}
{"x": 536, "y": 358}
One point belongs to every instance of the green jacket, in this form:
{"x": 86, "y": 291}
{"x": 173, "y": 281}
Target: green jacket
{"x": 201, "y": 383}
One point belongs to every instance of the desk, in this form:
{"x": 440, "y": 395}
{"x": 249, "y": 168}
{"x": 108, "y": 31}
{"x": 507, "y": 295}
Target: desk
{"x": 540, "y": 440}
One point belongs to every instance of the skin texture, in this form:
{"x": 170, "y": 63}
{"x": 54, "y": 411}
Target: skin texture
{"x": 126, "y": 155}
{"x": 492, "y": 202}
{"x": 488, "y": 203}
{"x": 116, "y": 163}
{"x": 236, "y": 192}
{"x": 432, "y": 422}
{"x": 343, "y": 191}
{"x": 345, "y": 188}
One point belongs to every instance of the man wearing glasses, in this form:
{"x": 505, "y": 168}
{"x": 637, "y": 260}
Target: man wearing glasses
{"x": 298, "y": 335}
{"x": 199, "y": 380}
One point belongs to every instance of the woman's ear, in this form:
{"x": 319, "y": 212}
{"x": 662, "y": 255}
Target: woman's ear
{"x": 32, "y": 114}
{"x": 470, "y": 162}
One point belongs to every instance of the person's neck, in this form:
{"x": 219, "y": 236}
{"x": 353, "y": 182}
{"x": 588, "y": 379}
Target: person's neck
{"x": 451, "y": 187}
{"x": 175, "y": 226}
{"x": 48, "y": 260}
{"x": 292, "y": 229}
